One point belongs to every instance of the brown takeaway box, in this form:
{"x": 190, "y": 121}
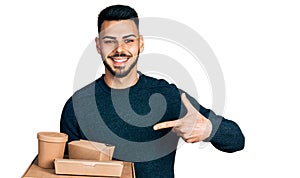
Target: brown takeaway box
{"x": 34, "y": 171}
{"x": 88, "y": 167}
{"x": 84, "y": 149}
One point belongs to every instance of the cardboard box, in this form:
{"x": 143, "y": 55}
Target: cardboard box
{"x": 84, "y": 149}
{"x": 34, "y": 171}
{"x": 88, "y": 167}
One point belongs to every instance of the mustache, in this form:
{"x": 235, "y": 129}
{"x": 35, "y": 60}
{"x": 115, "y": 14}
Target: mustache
{"x": 120, "y": 55}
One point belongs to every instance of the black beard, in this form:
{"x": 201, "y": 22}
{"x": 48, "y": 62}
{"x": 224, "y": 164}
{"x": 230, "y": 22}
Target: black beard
{"x": 120, "y": 74}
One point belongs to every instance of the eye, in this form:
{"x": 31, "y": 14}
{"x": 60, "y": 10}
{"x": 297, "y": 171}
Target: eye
{"x": 110, "y": 41}
{"x": 129, "y": 40}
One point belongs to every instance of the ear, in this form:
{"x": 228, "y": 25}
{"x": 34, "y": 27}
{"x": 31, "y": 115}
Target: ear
{"x": 98, "y": 45}
{"x": 141, "y": 43}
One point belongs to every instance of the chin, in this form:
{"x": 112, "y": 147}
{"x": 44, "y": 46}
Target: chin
{"x": 120, "y": 72}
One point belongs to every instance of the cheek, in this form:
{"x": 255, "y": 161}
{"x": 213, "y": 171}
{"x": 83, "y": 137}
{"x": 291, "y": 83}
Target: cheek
{"x": 134, "y": 49}
{"x": 105, "y": 51}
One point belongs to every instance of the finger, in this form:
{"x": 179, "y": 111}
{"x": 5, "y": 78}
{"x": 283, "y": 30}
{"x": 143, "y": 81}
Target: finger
{"x": 189, "y": 140}
{"x": 177, "y": 131}
{"x": 188, "y": 105}
{"x": 179, "y": 134}
{"x": 165, "y": 125}
{"x": 186, "y": 102}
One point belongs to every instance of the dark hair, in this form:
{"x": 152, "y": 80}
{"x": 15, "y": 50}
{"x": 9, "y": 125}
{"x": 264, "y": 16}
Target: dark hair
{"x": 117, "y": 12}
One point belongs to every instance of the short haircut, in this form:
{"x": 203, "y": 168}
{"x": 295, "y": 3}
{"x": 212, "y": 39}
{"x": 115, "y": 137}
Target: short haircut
{"x": 117, "y": 12}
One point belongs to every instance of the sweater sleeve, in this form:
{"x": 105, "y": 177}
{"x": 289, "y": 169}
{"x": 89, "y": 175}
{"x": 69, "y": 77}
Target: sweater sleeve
{"x": 68, "y": 122}
{"x": 226, "y": 135}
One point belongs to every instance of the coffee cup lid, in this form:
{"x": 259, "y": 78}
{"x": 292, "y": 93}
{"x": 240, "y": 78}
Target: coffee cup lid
{"x": 52, "y": 136}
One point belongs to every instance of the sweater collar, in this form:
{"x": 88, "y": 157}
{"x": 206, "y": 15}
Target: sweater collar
{"x": 101, "y": 83}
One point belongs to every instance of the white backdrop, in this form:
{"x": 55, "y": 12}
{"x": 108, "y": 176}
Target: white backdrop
{"x": 256, "y": 42}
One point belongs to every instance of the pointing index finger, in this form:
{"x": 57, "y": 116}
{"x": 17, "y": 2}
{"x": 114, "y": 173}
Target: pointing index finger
{"x": 165, "y": 125}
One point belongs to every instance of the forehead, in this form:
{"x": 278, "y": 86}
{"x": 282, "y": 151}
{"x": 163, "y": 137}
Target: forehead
{"x": 118, "y": 28}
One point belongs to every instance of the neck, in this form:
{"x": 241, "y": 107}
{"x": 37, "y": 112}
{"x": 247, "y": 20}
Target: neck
{"x": 123, "y": 82}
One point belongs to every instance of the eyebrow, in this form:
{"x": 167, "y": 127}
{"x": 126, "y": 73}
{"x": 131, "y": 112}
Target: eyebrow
{"x": 127, "y": 36}
{"x": 111, "y": 37}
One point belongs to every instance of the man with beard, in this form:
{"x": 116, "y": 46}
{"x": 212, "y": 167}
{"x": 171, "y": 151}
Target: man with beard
{"x": 142, "y": 116}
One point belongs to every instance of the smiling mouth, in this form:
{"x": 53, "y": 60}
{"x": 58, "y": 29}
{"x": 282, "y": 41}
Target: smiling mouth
{"x": 120, "y": 59}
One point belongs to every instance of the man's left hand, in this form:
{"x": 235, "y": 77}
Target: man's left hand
{"x": 193, "y": 127}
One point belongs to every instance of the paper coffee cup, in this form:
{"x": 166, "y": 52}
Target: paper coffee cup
{"x": 51, "y": 145}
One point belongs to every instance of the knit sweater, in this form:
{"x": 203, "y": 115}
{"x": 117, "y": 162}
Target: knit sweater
{"x": 125, "y": 118}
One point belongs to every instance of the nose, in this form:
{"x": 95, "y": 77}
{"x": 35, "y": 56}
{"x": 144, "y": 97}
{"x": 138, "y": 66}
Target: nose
{"x": 120, "y": 47}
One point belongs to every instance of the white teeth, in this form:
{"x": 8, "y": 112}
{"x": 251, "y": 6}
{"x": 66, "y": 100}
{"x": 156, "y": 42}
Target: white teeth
{"x": 120, "y": 60}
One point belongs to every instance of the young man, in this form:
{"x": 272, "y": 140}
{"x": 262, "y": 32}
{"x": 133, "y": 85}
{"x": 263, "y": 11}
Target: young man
{"x": 142, "y": 116}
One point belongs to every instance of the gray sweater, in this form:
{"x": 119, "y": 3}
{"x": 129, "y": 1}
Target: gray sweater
{"x": 125, "y": 117}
